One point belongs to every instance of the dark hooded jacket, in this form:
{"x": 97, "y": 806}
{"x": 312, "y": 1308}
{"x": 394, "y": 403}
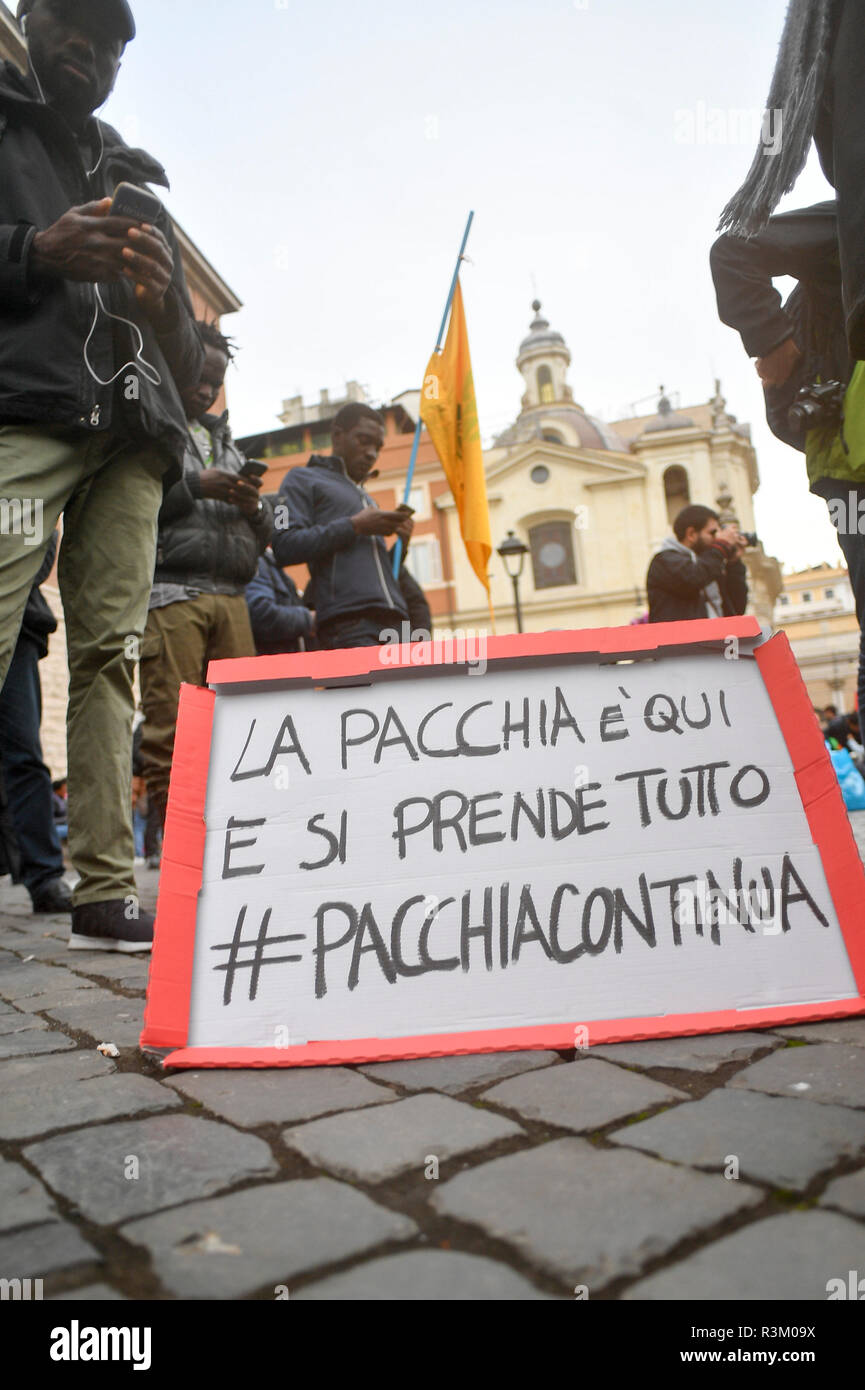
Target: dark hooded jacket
{"x": 205, "y": 544}
{"x": 44, "y": 323}
{"x": 678, "y": 579}
{"x": 350, "y": 573}
{"x": 277, "y": 614}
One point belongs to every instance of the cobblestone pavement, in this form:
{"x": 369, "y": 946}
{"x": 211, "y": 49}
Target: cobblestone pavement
{"x": 511, "y": 1176}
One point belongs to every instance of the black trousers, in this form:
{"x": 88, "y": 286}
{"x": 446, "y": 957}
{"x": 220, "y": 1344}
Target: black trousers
{"x": 26, "y": 778}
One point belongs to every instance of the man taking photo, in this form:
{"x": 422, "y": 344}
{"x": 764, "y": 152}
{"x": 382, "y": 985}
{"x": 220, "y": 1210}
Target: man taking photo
{"x": 96, "y": 337}
{"x": 335, "y": 527}
{"x": 698, "y": 572}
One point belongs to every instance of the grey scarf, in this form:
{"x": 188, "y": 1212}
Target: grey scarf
{"x": 793, "y": 104}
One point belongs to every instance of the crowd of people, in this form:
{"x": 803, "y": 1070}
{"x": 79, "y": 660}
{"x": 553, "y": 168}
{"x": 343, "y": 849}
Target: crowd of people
{"x": 170, "y": 554}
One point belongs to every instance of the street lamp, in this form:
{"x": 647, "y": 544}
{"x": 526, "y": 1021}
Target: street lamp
{"x": 514, "y": 552}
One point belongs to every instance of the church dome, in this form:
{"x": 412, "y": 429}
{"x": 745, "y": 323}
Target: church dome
{"x": 667, "y": 418}
{"x": 549, "y": 411}
{"x": 541, "y": 338}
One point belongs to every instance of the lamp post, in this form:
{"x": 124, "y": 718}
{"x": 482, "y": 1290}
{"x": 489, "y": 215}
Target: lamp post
{"x": 514, "y": 552}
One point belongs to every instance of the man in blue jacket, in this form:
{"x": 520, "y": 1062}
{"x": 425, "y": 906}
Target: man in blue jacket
{"x": 97, "y": 338}
{"x": 326, "y": 520}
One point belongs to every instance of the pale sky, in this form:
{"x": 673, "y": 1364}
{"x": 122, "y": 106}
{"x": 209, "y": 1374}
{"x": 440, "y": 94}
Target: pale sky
{"x": 325, "y": 156}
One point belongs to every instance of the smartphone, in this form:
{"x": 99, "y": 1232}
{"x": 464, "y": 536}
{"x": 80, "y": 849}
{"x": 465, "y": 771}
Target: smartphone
{"x": 404, "y": 507}
{"x": 135, "y": 203}
{"x": 253, "y": 468}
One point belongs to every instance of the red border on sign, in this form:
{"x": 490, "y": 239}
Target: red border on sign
{"x": 169, "y": 991}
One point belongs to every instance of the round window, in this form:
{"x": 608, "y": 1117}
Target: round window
{"x": 553, "y": 554}
{"x": 541, "y": 474}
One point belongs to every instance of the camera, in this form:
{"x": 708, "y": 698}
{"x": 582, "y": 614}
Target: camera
{"x": 817, "y": 406}
{"x": 751, "y": 538}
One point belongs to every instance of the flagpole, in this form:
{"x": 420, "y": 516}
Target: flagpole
{"x": 397, "y": 552}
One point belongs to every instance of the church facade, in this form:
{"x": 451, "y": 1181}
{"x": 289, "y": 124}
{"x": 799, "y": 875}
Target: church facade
{"x": 592, "y": 502}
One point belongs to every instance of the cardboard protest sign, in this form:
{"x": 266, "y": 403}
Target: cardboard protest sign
{"x": 553, "y": 840}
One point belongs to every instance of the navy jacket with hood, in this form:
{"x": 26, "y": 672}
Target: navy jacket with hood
{"x": 351, "y": 574}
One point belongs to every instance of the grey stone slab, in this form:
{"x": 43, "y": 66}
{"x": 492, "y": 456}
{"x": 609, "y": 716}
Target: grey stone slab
{"x": 16, "y": 1022}
{"x": 389, "y": 1139}
{"x": 764, "y": 1133}
{"x": 439, "y": 1276}
{"x": 848, "y": 1193}
{"x": 111, "y": 967}
{"x": 272, "y": 1234}
{"x": 825, "y": 1072}
{"x": 180, "y": 1159}
{"x": 788, "y": 1258}
{"x": 27, "y": 980}
{"x": 838, "y": 1030}
{"x": 589, "y": 1215}
{"x": 582, "y": 1095}
{"x": 33, "y": 1042}
{"x": 112, "y": 1019}
{"x": 250, "y": 1098}
{"x": 42, "y": 1250}
{"x": 92, "y": 1293}
{"x": 705, "y": 1053}
{"x": 35, "y": 1074}
{"x": 455, "y": 1074}
{"x": 26, "y": 1114}
{"x": 23, "y": 1199}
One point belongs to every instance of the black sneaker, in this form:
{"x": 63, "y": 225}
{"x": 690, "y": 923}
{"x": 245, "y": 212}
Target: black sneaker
{"x": 53, "y": 896}
{"x": 105, "y": 927}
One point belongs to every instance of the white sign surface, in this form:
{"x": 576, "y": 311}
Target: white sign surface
{"x": 543, "y": 845}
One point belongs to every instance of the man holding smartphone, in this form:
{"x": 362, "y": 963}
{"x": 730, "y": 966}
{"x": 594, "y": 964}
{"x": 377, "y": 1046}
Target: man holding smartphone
{"x": 326, "y": 520}
{"x": 213, "y": 527}
{"x": 97, "y": 339}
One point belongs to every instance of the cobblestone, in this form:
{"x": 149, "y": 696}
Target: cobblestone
{"x": 823, "y": 1072}
{"x": 563, "y": 1207}
{"x": 784, "y": 1258}
{"x": 379, "y": 1143}
{"x": 455, "y": 1074}
{"x": 425, "y": 1275}
{"x": 279, "y": 1097}
{"x": 90, "y": 1166}
{"x": 582, "y": 1096}
{"x": 769, "y": 1138}
{"x": 235, "y": 1245}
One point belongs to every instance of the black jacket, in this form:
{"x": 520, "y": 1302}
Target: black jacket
{"x": 419, "y": 614}
{"x": 205, "y": 544}
{"x": 39, "y": 621}
{"x": 676, "y": 583}
{"x": 277, "y": 613}
{"x": 350, "y": 573}
{"x": 802, "y": 244}
{"x": 44, "y": 324}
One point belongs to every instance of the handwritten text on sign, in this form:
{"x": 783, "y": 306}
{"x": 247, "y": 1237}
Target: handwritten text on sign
{"x": 446, "y": 854}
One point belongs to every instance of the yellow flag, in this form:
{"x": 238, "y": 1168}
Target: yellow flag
{"x": 449, "y": 411}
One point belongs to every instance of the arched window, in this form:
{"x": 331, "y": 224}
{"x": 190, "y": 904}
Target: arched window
{"x": 551, "y": 437}
{"x": 546, "y": 394}
{"x": 553, "y": 561}
{"x": 677, "y": 491}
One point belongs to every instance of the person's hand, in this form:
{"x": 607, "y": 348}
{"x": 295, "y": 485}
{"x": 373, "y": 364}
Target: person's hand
{"x": 149, "y": 263}
{"x": 372, "y": 522}
{"x": 87, "y": 244}
{"x": 778, "y": 366}
{"x": 405, "y": 529}
{"x": 220, "y": 486}
{"x": 732, "y": 536}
